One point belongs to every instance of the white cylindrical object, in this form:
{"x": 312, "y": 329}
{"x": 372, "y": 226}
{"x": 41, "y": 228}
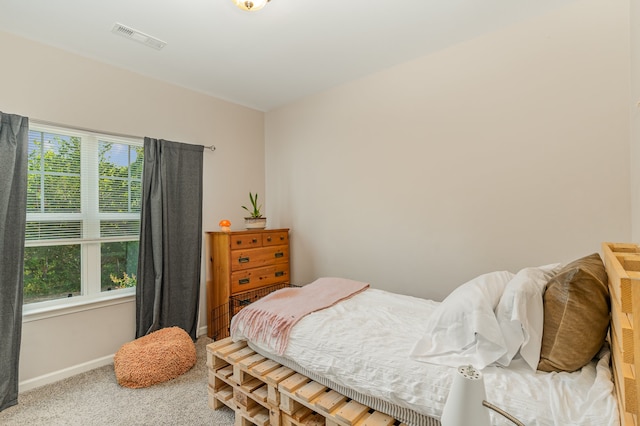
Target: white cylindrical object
{"x": 464, "y": 403}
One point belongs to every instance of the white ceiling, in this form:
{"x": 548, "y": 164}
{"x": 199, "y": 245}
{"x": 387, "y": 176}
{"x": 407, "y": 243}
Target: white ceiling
{"x": 263, "y": 59}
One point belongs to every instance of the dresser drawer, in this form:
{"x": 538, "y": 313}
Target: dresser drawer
{"x": 250, "y": 279}
{"x": 255, "y": 258}
{"x": 275, "y": 238}
{"x": 245, "y": 241}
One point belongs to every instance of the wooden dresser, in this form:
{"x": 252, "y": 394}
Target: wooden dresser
{"x": 242, "y": 263}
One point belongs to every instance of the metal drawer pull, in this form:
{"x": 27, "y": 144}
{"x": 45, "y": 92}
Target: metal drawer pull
{"x": 243, "y": 281}
{"x": 279, "y": 273}
{"x": 243, "y": 260}
{"x": 279, "y": 254}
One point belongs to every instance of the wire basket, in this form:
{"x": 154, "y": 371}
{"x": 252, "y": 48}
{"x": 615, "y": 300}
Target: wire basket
{"x": 221, "y": 315}
{"x": 219, "y": 322}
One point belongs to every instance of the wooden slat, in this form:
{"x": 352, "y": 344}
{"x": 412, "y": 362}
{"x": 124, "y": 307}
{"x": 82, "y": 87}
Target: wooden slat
{"x": 314, "y": 420}
{"x": 622, "y": 331}
{"x": 301, "y": 414}
{"x": 310, "y": 391}
{"x": 623, "y": 247}
{"x": 225, "y": 372}
{"x": 330, "y": 401}
{"x": 225, "y": 394}
{"x": 218, "y": 344}
{"x": 260, "y": 417}
{"x": 619, "y": 381}
{"x": 251, "y": 385}
{"x": 377, "y": 419}
{"x": 243, "y": 353}
{"x": 631, "y": 263}
{"x": 212, "y": 360}
{"x": 261, "y": 393}
{"x": 250, "y": 361}
{"x": 290, "y": 384}
{"x": 277, "y": 375}
{"x": 223, "y": 352}
{"x": 618, "y": 279}
{"x": 265, "y": 367}
{"x": 351, "y": 412}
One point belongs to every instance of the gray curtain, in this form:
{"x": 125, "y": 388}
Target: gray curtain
{"x": 168, "y": 283}
{"x": 14, "y": 131}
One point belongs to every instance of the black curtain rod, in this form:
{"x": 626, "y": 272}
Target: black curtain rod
{"x": 84, "y": 129}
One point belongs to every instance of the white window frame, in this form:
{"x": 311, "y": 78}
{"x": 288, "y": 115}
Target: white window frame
{"x": 91, "y": 295}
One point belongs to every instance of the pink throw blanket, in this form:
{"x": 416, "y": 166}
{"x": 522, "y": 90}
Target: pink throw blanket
{"x": 270, "y": 319}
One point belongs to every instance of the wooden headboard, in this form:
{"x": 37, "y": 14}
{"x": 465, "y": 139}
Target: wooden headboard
{"x": 622, "y": 262}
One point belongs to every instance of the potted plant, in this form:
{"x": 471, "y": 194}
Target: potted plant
{"x": 255, "y": 220}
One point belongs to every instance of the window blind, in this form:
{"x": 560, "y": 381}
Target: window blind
{"x": 82, "y": 187}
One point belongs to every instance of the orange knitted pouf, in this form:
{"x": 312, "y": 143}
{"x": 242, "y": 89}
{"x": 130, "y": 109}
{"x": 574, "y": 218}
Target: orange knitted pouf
{"x": 155, "y": 358}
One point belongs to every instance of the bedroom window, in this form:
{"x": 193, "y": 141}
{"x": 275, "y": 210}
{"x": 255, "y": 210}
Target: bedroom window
{"x": 83, "y": 216}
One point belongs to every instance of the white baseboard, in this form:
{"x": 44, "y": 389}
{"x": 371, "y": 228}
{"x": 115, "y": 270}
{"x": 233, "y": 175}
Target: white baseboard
{"x": 55, "y": 376}
{"x": 202, "y": 331}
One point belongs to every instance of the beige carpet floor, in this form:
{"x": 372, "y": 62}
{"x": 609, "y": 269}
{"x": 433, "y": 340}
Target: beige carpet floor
{"x": 94, "y": 398}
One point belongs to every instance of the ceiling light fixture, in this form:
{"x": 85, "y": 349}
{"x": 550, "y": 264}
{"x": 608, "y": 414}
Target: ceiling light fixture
{"x": 251, "y": 6}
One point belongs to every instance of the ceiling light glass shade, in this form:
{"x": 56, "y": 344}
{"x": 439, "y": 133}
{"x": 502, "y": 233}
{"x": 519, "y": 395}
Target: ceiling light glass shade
{"x": 250, "y": 5}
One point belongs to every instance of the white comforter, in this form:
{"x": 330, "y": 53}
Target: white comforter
{"x": 364, "y": 343}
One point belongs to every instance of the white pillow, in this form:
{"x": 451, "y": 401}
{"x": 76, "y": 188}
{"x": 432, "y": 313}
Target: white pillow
{"x": 520, "y": 314}
{"x": 463, "y": 329}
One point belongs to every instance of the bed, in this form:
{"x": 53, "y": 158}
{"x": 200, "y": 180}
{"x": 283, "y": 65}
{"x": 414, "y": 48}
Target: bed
{"x": 367, "y": 360}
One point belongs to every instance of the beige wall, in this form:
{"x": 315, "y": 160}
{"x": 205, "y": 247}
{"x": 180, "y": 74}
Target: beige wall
{"x": 506, "y": 151}
{"x": 47, "y": 84}
{"x": 634, "y": 115}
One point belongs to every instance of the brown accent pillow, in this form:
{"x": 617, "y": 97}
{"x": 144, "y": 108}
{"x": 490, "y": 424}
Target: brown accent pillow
{"x": 576, "y": 315}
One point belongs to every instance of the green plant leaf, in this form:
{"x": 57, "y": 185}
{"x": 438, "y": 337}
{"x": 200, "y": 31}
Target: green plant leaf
{"x": 255, "y": 208}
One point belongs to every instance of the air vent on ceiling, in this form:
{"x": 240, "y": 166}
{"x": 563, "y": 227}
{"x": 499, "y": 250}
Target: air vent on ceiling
{"x": 138, "y": 36}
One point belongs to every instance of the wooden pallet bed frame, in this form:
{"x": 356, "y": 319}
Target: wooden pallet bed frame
{"x": 262, "y": 392}
{"x": 622, "y": 262}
